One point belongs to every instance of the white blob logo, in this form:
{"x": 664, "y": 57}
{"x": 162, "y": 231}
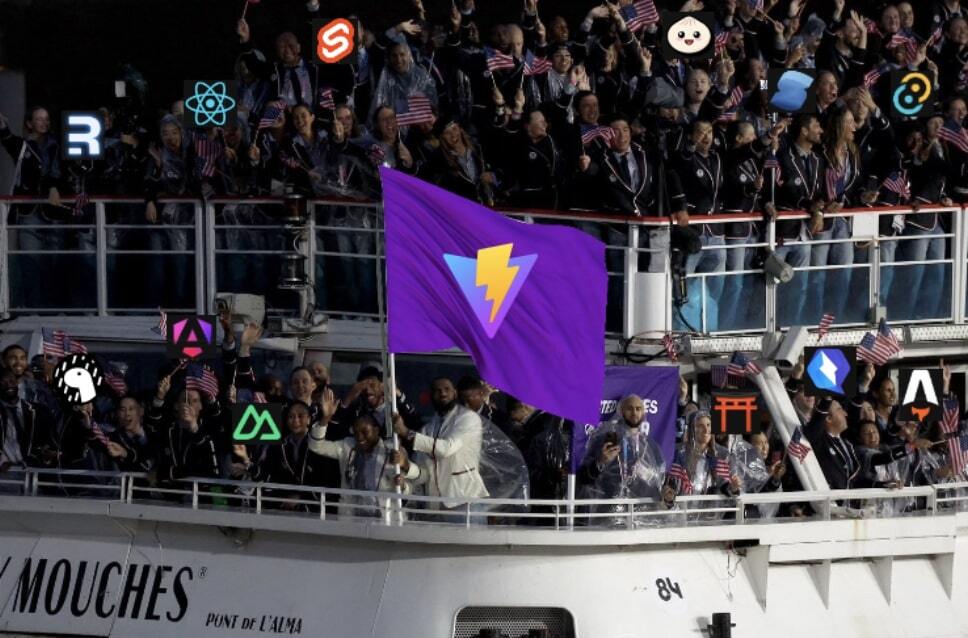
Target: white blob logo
{"x": 76, "y": 378}
{"x": 688, "y": 36}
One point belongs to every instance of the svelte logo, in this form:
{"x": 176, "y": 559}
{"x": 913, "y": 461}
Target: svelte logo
{"x": 335, "y": 41}
{"x": 491, "y": 282}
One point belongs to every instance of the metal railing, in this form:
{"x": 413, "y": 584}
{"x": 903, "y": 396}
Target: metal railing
{"x": 233, "y": 245}
{"x": 261, "y": 499}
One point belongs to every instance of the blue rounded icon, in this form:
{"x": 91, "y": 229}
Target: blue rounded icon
{"x": 791, "y": 91}
{"x": 912, "y": 94}
{"x": 210, "y": 104}
{"x": 828, "y": 369}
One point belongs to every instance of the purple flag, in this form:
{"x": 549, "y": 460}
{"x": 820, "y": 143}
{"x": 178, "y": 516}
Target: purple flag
{"x": 657, "y": 386}
{"x": 526, "y": 302}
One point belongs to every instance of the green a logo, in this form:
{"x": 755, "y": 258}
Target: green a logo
{"x": 256, "y": 423}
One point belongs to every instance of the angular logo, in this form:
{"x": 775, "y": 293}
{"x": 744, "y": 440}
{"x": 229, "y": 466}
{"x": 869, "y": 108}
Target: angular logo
{"x": 191, "y": 337}
{"x": 491, "y": 282}
{"x": 256, "y": 423}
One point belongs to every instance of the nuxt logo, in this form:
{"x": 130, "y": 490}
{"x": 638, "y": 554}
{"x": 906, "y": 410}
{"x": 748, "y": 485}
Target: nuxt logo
{"x": 256, "y": 423}
{"x": 491, "y": 282}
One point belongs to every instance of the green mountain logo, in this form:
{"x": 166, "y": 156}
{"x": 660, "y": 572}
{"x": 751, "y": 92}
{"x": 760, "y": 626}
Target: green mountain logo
{"x": 257, "y": 423}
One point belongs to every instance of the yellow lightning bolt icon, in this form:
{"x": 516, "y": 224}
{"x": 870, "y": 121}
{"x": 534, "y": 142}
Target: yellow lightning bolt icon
{"x": 493, "y": 271}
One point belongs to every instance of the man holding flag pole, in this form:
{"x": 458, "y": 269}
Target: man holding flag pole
{"x": 525, "y": 302}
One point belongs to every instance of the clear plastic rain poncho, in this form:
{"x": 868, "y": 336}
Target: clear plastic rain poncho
{"x": 637, "y": 472}
{"x": 745, "y": 462}
{"x": 502, "y": 467}
{"x": 881, "y": 473}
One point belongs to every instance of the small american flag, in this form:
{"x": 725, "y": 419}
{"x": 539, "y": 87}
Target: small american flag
{"x": 208, "y": 151}
{"x": 116, "y": 382}
{"x": 835, "y": 183}
{"x": 671, "y": 347}
{"x": 497, "y": 60}
{"x": 162, "y": 327}
{"x": 872, "y": 76}
{"x": 731, "y": 105}
{"x": 772, "y": 163}
{"x": 719, "y": 375}
{"x": 639, "y": 14}
{"x": 740, "y": 366}
{"x": 958, "y": 451}
{"x": 58, "y": 343}
{"x": 953, "y": 133}
{"x": 270, "y": 115}
{"x": 417, "y": 110}
{"x": 897, "y": 182}
{"x": 721, "y": 39}
{"x": 81, "y": 200}
{"x": 259, "y": 397}
{"x": 721, "y": 469}
{"x": 878, "y": 348}
{"x": 201, "y": 378}
{"x": 949, "y": 420}
{"x": 935, "y": 37}
{"x": 326, "y": 99}
{"x": 909, "y": 43}
{"x": 796, "y": 448}
{"x": 534, "y": 65}
{"x": 871, "y": 26}
{"x": 98, "y": 433}
{"x": 679, "y": 473}
{"x": 376, "y": 154}
{"x": 825, "y": 322}
{"x": 605, "y": 133}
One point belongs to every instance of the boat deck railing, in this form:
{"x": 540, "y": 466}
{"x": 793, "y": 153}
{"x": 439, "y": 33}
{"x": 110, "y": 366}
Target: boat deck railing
{"x": 274, "y": 499}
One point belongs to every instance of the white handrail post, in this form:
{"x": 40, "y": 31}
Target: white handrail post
{"x": 194, "y": 494}
{"x": 210, "y": 256}
{"x": 770, "y": 283}
{"x": 200, "y": 293}
{"x": 631, "y": 268}
{"x": 101, "y": 258}
{"x": 4, "y": 262}
{"x": 467, "y": 514}
{"x": 959, "y": 269}
{"x": 322, "y": 505}
{"x": 258, "y": 499}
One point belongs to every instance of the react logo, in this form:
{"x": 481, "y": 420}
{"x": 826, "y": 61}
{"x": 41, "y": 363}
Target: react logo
{"x": 335, "y": 41}
{"x": 911, "y": 94}
{"x": 827, "y": 369}
{"x": 209, "y": 104}
{"x": 689, "y": 35}
{"x": 76, "y": 378}
{"x": 791, "y": 90}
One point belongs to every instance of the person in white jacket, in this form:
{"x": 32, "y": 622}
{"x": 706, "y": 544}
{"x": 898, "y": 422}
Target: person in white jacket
{"x": 450, "y": 447}
{"x": 365, "y": 462}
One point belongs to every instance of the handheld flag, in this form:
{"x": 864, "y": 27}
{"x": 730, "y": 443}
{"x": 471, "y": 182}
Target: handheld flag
{"x": 796, "y": 448}
{"x": 525, "y": 302}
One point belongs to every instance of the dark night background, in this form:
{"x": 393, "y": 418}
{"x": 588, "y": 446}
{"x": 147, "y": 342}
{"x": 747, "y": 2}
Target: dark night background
{"x": 70, "y": 50}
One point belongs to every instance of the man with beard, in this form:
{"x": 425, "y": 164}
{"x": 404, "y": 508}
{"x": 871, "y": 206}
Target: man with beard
{"x": 621, "y": 461}
{"x": 33, "y": 390}
{"x": 367, "y": 396}
{"x": 451, "y": 448}
{"x": 474, "y": 396}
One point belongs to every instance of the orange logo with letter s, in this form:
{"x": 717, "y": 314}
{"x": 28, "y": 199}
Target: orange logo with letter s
{"x": 335, "y": 40}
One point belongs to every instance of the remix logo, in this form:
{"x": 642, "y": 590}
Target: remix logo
{"x": 335, "y": 41}
{"x": 209, "y": 103}
{"x": 491, "y": 282}
{"x": 912, "y": 92}
{"x": 82, "y": 135}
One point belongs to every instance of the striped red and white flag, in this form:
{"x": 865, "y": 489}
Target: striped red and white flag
{"x": 202, "y": 379}
{"x": 679, "y": 473}
{"x": 671, "y": 347}
{"x": 796, "y": 448}
{"x": 825, "y": 322}
{"x": 417, "y": 111}
{"x": 721, "y": 469}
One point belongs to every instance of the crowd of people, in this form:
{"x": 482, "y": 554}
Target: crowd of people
{"x": 548, "y": 113}
{"x": 478, "y": 442}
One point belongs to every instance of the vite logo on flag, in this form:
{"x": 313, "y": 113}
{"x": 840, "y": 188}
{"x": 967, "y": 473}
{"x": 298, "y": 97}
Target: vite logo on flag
{"x": 256, "y": 423}
{"x": 830, "y": 371}
{"x": 191, "y": 336}
{"x": 921, "y": 395}
{"x": 525, "y": 301}
{"x": 491, "y": 282}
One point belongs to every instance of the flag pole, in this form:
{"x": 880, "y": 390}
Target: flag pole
{"x": 389, "y": 360}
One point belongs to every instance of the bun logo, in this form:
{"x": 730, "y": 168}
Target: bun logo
{"x": 335, "y": 41}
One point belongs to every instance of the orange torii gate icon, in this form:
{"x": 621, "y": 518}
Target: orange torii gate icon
{"x": 735, "y": 413}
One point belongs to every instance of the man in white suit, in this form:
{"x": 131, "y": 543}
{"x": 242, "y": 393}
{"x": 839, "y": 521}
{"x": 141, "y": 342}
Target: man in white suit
{"x": 451, "y": 448}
